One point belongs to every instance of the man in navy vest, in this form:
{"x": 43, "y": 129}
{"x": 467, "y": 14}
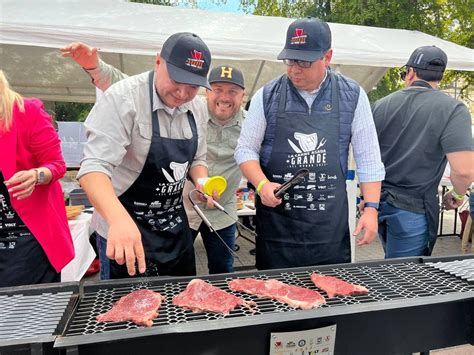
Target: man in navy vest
{"x": 307, "y": 119}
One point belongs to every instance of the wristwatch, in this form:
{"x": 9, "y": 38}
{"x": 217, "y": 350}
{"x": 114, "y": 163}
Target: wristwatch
{"x": 372, "y": 204}
{"x": 40, "y": 177}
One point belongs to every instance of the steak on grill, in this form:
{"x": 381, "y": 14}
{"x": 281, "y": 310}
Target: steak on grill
{"x": 295, "y": 296}
{"x": 140, "y": 307}
{"x": 199, "y": 296}
{"x": 336, "y": 287}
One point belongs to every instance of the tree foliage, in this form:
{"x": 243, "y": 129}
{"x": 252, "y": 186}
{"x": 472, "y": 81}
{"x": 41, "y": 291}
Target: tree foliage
{"x": 451, "y": 20}
{"x": 71, "y": 111}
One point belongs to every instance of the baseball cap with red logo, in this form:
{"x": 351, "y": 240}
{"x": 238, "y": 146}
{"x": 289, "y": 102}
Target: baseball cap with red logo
{"x": 306, "y": 39}
{"x": 187, "y": 59}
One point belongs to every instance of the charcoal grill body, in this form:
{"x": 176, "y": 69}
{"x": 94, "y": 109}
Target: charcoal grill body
{"x": 411, "y": 307}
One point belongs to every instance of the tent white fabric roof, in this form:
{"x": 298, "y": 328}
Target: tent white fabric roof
{"x": 130, "y": 34}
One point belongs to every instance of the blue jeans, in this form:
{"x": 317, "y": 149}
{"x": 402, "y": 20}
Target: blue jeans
{"x": 219, "y": 259}
{"x": 101, "y": 243}
{"x": 403, "y": 233}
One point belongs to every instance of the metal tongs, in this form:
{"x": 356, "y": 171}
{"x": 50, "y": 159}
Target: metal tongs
{"x": 298, "y": 178}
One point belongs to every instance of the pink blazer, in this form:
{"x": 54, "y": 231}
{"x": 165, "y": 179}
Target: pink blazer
{"x": 32, "y": 142}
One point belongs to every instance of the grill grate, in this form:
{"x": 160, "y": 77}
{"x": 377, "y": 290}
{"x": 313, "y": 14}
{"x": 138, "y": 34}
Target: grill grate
{"x": 460, "y": 268}
{"x": 31, "y": 316}
{"x": 385, "y": 282}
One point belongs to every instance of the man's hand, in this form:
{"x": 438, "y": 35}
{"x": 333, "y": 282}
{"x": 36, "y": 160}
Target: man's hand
{"x": 87, "y": 57}
{"x": 369, "y": 224}
{"x": 209, "y": 199}
{"x": 124, "y": 245}
{"x": 267, "y": 194}
{"x": 450, "y": 202}
{"x": 22, "y": 184}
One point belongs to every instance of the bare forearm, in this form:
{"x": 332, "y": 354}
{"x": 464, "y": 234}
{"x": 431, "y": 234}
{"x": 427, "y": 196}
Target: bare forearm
{"x": 462, "y": 170}
{"x": 101, "y": 194}
{"x": 371, "y": 191}
{"x": 252, "y": 171}
{"x": 198, "y": 171}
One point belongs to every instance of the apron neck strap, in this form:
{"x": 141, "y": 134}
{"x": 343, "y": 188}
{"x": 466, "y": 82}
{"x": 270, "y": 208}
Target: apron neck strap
{"x": 282, "y": 102}
{"x": 334, "y": 92}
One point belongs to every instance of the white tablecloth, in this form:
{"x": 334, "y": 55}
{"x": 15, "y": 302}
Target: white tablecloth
{"x": 246, "y": 211}
{"x": 80, "y": 231}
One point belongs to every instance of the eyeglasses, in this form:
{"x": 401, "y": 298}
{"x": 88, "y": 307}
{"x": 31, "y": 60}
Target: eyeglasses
{"x": 404, "y": 73}
{"x": 301, "y": 63}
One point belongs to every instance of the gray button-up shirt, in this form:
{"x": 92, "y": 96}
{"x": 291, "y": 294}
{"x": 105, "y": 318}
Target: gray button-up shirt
{"x": 221, "y": 143}
{"x": 119, "y": 131}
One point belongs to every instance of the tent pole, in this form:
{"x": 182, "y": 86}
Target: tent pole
{"x": 259, "y": 72}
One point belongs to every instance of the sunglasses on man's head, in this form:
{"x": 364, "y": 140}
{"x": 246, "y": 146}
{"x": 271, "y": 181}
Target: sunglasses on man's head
{"x": 300, "y": 63}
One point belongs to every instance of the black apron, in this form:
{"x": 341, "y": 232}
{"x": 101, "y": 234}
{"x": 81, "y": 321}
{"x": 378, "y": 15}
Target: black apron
{"x": 310, "y": 226}
{"x": 426, "y": 201}
{"x": 22, "y": 259}
{"x": 155, "y": 203}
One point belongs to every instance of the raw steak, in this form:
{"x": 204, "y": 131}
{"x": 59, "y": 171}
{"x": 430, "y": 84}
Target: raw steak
{"x": 295, "y": 296}
{"x": 336, "y": 287}
{"x": 200, "y": 296}
{"x": 140, "y": 307}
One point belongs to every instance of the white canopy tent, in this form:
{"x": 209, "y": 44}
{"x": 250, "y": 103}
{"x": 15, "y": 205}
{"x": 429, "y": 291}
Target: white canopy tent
{"x": 130, "y": 34}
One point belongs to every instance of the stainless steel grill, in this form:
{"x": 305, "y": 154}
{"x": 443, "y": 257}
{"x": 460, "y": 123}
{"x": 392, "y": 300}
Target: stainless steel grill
{"x": 386, "y": 282}
{"x": 460, "y": 268}
{"x": 30, "y": 315}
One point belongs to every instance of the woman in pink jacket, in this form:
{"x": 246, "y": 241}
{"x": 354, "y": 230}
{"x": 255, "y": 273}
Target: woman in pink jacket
{"x": 35, "y": 241}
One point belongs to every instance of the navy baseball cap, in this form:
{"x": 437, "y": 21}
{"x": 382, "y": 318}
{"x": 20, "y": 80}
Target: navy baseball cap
{"x": 187, "y": 59}
{"x": 428, "y": 58}
{"x": 306, "y": 39}
{"x": 227, "y": 74}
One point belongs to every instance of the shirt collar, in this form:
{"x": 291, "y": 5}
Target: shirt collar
{"x": 234, "y": 120}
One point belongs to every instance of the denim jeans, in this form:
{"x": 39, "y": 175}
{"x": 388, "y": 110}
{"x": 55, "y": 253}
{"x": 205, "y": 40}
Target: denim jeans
{"x": 403, "y": 233}
{"x": 219, "y": 259}
{"x": 101, "y": 244}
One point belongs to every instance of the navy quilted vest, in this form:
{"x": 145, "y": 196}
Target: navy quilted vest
{"x": 348, "y": 98}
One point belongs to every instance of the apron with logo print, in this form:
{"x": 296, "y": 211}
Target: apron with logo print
{"x": 22, "y": 259}
{"x": 310, "y": 226}
{"x": 155, "y": 203}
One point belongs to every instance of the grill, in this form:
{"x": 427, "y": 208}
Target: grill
{"x": 411, "y": 306}
{"x": 31, "y": 316}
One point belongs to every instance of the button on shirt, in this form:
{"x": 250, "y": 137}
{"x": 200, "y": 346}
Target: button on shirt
{"x": 364, "y": 136}
{"x": 119, "y": 131}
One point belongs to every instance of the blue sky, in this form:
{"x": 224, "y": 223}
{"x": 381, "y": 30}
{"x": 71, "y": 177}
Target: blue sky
{"x": 229, "y": 6}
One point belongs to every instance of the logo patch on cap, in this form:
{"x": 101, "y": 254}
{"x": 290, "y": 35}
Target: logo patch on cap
{"x": 226, "y": 72}
{"x": 299, "y": 37}
{"x": 196, "y": 60}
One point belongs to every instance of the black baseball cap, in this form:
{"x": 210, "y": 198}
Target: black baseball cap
{"x": 306, "y": 39}
{"x": 227, "y": 74}
{"x": 428, "y": 58}
{"x": 187, "y": 59}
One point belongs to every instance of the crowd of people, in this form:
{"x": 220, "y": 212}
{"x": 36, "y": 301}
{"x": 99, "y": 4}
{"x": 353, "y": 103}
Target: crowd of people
{"x": 151, "y": 142}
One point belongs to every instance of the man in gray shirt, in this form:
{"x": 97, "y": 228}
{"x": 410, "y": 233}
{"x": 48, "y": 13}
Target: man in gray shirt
{"x": 222, "y": 122}
{"x": 143, "y": 140}
{"x": 419, "y": 129}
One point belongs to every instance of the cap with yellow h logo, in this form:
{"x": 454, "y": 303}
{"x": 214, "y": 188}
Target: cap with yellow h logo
{"x": 227, "y": 74}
